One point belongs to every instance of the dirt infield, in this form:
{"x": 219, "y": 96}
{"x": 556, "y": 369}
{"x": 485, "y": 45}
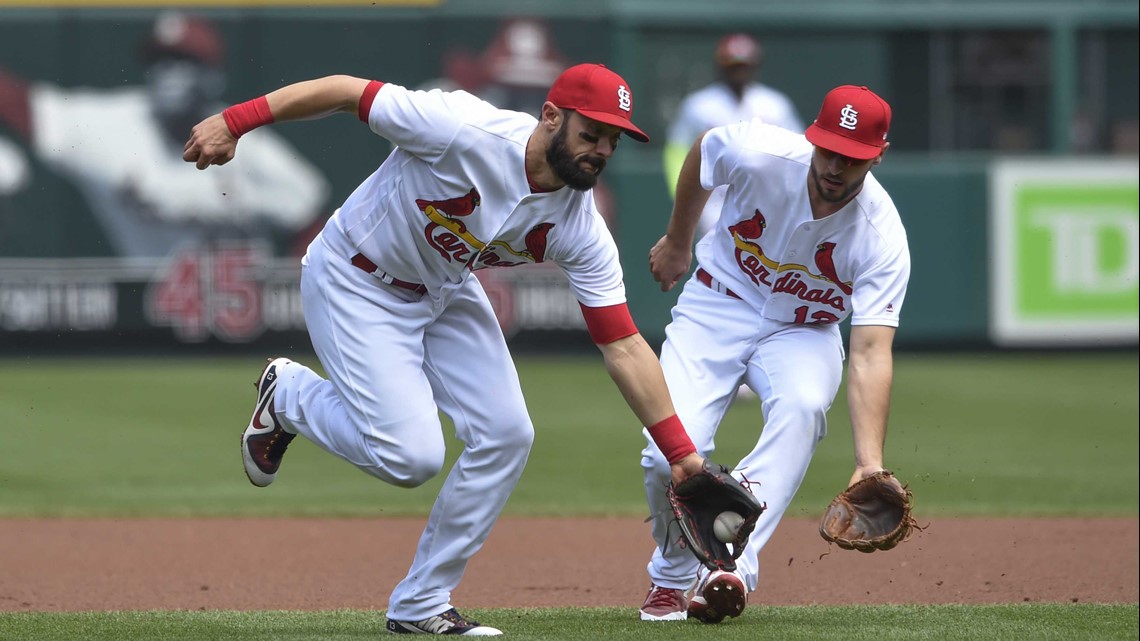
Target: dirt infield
{"x": 75, "y": 565}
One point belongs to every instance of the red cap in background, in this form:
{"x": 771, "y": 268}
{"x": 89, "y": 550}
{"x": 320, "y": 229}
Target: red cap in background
{"x": 853, "y": 121}
{"x": 597, "y": 93}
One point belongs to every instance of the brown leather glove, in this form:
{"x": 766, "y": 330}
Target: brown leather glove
{"x": 873, "y": 514}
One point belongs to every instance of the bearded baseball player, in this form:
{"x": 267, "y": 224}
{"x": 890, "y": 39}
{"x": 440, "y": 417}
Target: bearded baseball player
{"x": 403, "y": 330}
{"x": 807, "y": 237}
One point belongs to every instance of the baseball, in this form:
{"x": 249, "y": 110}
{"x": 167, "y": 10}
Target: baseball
{"x": 726, "y": 525}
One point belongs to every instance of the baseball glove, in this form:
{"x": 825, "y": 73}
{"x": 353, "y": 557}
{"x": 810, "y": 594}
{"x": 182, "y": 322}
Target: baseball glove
{"x": 699, "y": 499}
{"x": 873, "y": 514}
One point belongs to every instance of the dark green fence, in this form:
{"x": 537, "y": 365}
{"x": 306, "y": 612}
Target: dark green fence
{"x": 970, "y": 81}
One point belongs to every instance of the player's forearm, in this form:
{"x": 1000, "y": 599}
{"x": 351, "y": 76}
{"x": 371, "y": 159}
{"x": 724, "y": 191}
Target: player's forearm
{"x": 635, "y": 370}
{"x": 316, "y": 98}
{"x": 870, "y": 373}
{"x": 299, "y": 101}
{"x": 690, "y": 198}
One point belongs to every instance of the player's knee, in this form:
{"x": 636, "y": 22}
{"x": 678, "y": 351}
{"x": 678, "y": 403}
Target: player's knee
{"x": 415, "y": 468}
{"x": 404, "y": 465}
{"x": 810, "y": 411}
{"x": 513, "y": 438}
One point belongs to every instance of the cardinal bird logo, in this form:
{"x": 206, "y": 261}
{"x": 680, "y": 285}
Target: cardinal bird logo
{"x": 750, "y": 229}
{"x": 460, "y": 206}
{"x": 748, "y": 252}
{"x": 536, "y": 241}
{"x": 826, "y": 266}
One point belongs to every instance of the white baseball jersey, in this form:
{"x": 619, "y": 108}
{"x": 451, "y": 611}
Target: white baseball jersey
{"x": 147, "y": 198}
{"x": 453, "y": 197}
{"x": 769, "y": 250}
{"x": 716, "y": 105}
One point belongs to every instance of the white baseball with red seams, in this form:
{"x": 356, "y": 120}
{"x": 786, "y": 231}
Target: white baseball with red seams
{"x": 726, "y": 525}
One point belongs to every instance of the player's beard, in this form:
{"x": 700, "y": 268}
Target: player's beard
{"x": 566, "y": 166}
{"x": 844, "y": 195}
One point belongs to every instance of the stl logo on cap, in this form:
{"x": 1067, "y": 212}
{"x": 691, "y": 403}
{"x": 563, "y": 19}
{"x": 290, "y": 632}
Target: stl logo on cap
{"x": 625, "y": 99}
{"x": 848, "y": 118}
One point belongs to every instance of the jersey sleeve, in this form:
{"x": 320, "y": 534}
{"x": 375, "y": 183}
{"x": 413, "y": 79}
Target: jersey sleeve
{"x": 422, "y": 123}
{"x": 586, "y": 252}
{"x": 720, "y": 152}
{"x": 878, "y": 294}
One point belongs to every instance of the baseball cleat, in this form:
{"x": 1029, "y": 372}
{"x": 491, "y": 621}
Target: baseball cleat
{"x": 264, "y": 441}
{"x": 722, "y": 595}
{"x": 450, "y": 622}
{"x": 664, "y": 604}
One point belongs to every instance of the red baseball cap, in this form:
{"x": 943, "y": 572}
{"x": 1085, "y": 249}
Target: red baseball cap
{"x": 596, "y": 93}
{"x": 738, "y": 49}
{"x": 853, "y": 121}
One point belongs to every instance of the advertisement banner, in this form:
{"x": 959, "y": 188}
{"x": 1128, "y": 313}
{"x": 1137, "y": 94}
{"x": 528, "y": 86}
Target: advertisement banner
{"x": 1064, "y": 252}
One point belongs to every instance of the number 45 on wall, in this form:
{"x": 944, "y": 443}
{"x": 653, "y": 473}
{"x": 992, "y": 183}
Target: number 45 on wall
{"x": 210, "y": 291}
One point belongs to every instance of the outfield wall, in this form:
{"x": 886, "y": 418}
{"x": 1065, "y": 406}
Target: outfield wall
{"x": 93, "y": 256}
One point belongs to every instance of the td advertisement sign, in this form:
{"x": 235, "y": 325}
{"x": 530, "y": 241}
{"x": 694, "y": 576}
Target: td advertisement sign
{"x": 1064, "y": 252}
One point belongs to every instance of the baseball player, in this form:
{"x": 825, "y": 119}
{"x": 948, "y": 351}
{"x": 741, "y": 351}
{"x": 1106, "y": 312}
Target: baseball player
{"x": 734, "y": 97}
{"x": 404, "y": 331}
{"x": 806, "y": 238}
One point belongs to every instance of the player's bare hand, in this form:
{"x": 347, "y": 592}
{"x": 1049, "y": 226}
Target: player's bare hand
{"x": 863, "y": 472}
{"x": 210, "y": 143}
{"x": 669, "y": 261}
{"x": 686, "y": 467}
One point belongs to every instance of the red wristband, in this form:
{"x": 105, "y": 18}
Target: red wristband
{"x": 247, "y": 116}
{"x": 672, "y": 439}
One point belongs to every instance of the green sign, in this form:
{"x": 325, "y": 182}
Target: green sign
{"x": 1064, "y": 252}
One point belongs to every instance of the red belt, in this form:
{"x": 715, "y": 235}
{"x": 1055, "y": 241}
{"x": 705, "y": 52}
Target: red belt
{"x": 707, "y": 280}
{"x": 361, "y": 261}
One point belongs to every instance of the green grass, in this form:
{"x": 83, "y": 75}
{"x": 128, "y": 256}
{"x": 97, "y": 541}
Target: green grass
{"x": 1036, "y": 622}
{"x": 988, "y": 435}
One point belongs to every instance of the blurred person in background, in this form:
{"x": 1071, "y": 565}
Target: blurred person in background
{"x": 122, "y": 147}
{"x": 810, "y": 238}
{"x": 735, "y": 97}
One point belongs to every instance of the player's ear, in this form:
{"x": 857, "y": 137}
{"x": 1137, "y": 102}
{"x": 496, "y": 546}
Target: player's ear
{"x": 552, "y": 116}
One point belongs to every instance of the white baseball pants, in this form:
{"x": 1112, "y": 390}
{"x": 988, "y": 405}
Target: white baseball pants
{"x": 393, "y": 362}
{"x": 713, "y": 344}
